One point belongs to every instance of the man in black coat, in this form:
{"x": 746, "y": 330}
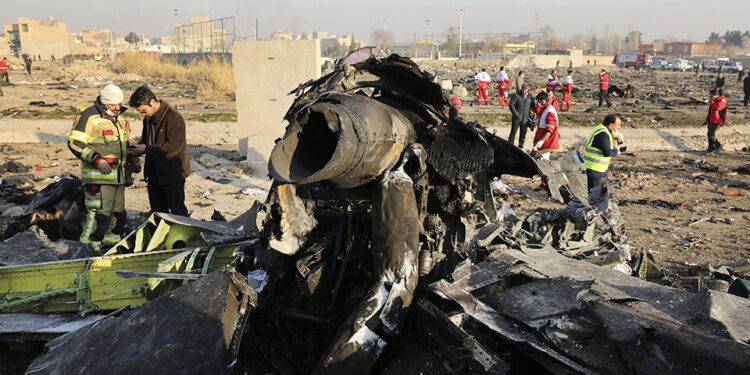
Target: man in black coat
{"x": 163, "y": 142}
{"x": 719, "y": 84}
{"x": 746, "y": 89}
{"x": 521, "y": 107}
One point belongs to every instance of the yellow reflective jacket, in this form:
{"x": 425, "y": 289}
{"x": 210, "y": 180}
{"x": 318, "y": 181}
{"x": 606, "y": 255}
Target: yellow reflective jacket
{"x": 96, "y": 136}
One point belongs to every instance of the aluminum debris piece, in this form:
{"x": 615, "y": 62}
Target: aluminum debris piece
{"x": 195, "y": 329}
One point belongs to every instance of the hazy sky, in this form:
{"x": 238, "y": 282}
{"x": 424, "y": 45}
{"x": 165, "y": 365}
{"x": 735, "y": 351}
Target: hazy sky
{"x": 681, "y": 19}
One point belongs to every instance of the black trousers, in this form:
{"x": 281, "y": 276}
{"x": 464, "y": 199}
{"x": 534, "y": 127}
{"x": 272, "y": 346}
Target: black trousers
{"x": 747, "y": 98}
{"x": 713, "y": 142}
{"x": 598, "y": 184}
{"x": 5, "y": 77}
{"x": 515, "y": 126}
{"x": 168, "y": 198}
{"x": 604, "y": 96}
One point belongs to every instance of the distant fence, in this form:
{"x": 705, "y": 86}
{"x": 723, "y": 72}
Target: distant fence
{"x": 190, "y": 57}
{"x": 205, "y": 37}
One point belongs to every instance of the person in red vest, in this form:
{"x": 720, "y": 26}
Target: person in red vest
{"x": 483, "y": 86}
{"x": 547, "y": 136}
{"x": 604, "y": 88}
{"x": 4, "y": 69}
{"x": 717, "y": 115}
{"x": 567, "y": 88}
{"x": 551, "y": 82}
{"x": 503, "y": 81}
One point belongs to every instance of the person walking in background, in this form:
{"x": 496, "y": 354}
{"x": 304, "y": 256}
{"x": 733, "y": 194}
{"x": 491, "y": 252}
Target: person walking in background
{"x": 551, "y": 83}
{"x": 163, "y": 142}
{"x": 720, "y": 81}
{"x": 521, "y": 108}
{"x": 27, "y": 61}
{"x": 483, "y": 86}
{"x": 717, "y": 116}
{"x": 567, "y": 88}
{"x": 604, "y": 88}
{"x": 503, "y": 81}
{"x": 4, "y": 69}
{"x": 746, "y": 89}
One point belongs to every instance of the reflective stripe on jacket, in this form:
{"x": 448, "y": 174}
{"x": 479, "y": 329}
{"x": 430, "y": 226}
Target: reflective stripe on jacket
{"x": 96, "y": 136}
{"x": 593, "y": 158}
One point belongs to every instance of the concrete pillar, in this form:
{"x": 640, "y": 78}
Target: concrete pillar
{"x": 265, "y": 72}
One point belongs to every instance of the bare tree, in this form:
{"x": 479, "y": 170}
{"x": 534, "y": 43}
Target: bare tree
{"x": 547, "y": 33}
{"x": 492, "y": 44}
{"x": 633, "y": 40}
{"x": 592, "y": 40}
{"x": 553, "y": 43}
{"x": 382, "y": 38}
{"x": 450, "y": 48}
{"x": 578, "y": 40}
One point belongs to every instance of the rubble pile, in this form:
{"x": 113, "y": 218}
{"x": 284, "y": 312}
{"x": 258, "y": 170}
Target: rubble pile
{"x": 384, "y": 263}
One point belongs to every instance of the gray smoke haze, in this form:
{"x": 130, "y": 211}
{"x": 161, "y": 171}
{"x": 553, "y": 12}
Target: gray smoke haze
{"x": 684, "y": 19}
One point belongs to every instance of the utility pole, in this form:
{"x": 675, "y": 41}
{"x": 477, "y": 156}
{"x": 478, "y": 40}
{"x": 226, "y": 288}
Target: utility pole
{"x": 460, "y": 30}
{"x": 536, "y": 46}
{"x": 238, "y": 21}
{"x": 257, "y": 30}
{"x": 384, "y": 23}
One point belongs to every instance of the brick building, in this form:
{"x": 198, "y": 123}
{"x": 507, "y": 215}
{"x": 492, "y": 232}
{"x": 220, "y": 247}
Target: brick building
{"x": 692, "y": 49}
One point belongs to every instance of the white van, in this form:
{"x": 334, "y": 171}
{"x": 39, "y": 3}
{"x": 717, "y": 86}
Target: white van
{"x": 680, "y": 64}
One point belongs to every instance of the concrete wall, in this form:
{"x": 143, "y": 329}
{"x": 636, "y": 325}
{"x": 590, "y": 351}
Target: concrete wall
{"x": 46, "y": 49}
{"x": 265, "y": 71}
{"x": 4, "y": 50}
{"x": 551, "y": 61}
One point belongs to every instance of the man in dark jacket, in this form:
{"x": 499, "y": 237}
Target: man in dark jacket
{"x": 163, "y": 141}
{"x": 746, "y": 89}
{"x": 521, "y": 107}
{"x": 719, "y": 84}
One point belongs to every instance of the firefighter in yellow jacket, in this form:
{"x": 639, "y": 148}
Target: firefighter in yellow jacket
{"x": 100, "y": 139}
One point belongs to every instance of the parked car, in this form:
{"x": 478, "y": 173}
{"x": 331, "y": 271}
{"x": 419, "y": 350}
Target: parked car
{"x": 681, "y": 65}
{"x": 659, "y": 65}
{"x": 731, "y": 67}
{"x": 713, "y": 66}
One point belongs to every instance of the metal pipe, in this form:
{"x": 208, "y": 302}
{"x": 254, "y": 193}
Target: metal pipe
{"x": 348, "y": 140}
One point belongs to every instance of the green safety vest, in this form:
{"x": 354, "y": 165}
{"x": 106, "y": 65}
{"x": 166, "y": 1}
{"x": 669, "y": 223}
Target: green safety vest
{"x": 592, "y": 157}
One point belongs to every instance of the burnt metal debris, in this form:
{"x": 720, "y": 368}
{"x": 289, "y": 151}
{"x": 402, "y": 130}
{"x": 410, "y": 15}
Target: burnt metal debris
{"x": 381, "y": 248}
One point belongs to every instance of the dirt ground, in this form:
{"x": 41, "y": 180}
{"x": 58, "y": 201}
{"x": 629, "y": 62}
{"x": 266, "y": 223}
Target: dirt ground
{"x": 61, "y": 87}
{"x": 661, "y": 99}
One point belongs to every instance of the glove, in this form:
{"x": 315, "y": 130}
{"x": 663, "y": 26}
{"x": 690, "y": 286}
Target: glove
{"x": 538, "y": 145}
{"x": 618, "y": 136}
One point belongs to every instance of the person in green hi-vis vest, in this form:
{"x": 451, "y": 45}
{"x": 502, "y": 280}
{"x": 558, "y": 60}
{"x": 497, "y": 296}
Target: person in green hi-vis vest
{"x": 601, "y": 146}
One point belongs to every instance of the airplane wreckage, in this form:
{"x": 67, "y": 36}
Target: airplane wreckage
{"x": 381, "y": 248}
